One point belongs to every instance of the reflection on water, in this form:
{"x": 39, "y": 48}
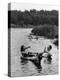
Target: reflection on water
{"x": 24, "y": 62}
{"x": 20, "y": 67}
{"x": 37, "y": 65}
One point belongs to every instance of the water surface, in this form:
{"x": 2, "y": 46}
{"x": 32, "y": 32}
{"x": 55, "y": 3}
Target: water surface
{"x": 18, "y": 68}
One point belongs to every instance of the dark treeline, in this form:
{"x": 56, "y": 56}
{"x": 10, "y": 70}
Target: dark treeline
{"x": 33, "y": 17}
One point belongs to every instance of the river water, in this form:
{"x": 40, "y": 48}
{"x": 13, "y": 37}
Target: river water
{"x": 19, "y": 68}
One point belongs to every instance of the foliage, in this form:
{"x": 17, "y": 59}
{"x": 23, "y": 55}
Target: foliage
{"x": 48, "y": 31}
{"x": 33, "y": 17}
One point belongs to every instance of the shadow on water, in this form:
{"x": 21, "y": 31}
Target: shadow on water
{"x": 37, "y": 65}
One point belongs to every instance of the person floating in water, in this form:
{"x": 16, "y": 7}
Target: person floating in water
{"x": 45, "y": 54}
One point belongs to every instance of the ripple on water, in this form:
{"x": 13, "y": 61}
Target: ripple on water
{"x": 19, "y": 68}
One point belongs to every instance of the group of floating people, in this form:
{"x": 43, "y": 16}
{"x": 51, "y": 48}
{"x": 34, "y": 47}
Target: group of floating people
{"x": 36, "y": 57}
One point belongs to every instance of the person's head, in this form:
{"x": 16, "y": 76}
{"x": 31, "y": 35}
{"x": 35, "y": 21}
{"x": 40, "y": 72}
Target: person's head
{"x": 22, "y": 48}
{"x": 22, "y": 45}
{"x": 49, "y": 48}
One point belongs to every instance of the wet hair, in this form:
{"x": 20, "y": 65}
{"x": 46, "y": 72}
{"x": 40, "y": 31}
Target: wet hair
{"x": 49, "y": 48}
{"x": 22, "y": 48}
